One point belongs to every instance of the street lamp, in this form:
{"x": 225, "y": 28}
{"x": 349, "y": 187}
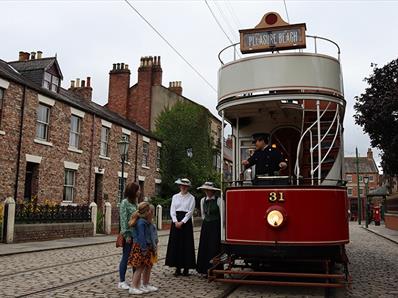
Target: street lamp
{"x": 123, "y": 146}
{"x": 366, "y": 181}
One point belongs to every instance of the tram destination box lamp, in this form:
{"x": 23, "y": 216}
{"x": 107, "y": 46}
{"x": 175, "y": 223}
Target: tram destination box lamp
{"x": 123, "y": 146}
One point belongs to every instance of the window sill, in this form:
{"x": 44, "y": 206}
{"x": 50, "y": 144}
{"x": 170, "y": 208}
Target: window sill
{"x": 104, "y": 157}
{"x": 42, "y": 142}
{"x": 2, "y": 132}
{"x": 157, "y": 169}
{"x": 75, "y": 150}
{"x": 145, "y": 167}
{"x": 68, "y": 203}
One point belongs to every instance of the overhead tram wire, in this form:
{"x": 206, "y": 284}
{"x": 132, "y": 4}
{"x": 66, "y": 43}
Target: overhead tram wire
{"x": 219, "y": 25}
{"x": 232, "y": 13}
{"x": 224, "y": 17}
{"x": 287, "y": 14}
{"x": 171, "y": 46}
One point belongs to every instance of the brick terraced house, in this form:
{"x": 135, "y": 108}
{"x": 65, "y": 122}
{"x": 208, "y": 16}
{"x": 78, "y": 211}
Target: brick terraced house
{"x": 367, "y": 168}
{"x": 145, "y": 100}
{"x": 59, "y": 145}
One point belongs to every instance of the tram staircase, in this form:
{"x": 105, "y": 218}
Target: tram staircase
{"x": 330, "y": 146}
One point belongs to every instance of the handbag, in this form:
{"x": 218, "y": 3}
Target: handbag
{"x": 120, "y": 241}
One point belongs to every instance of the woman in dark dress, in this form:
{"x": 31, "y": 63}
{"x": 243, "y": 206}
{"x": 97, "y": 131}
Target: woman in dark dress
{"x": 210, "y": 234}
{"x": 181, "y": 249}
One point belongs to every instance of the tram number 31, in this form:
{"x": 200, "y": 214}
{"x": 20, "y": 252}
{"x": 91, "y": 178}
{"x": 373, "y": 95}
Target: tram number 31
{"x": 276, "y": 197}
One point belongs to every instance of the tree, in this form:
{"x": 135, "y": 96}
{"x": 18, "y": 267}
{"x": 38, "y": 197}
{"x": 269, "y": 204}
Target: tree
{"x": 377, "y": 112}
{"x": 186, "y": 146}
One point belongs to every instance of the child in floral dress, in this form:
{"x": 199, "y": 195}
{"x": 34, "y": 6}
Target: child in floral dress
{"x": 143, "y": 253}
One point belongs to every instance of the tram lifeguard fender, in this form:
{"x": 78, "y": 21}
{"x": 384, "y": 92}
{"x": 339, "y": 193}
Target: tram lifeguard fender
{"x": 316, "y": 215}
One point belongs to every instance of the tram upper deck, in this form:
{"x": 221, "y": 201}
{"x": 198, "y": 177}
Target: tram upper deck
{"x": 298, "y": 98}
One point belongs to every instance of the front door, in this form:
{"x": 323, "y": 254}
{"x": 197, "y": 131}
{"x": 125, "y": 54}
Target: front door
{"x": 31, "y": 180}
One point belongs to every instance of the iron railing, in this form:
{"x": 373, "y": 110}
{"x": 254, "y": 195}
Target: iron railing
{"x": 32, "y": 214}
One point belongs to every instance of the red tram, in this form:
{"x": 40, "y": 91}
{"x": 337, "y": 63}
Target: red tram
{"x": 294, "y": 231}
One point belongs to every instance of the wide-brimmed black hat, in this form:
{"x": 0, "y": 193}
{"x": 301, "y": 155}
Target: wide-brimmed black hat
{"x": 260, "y": 136}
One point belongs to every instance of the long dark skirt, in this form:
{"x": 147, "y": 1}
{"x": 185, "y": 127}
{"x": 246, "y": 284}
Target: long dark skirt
{"x": 209, "y": 245}
{"x": 181, "y": 249}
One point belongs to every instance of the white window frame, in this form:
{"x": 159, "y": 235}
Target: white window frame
{"x": 158, "y": 157}
{"x": 106, "y": 142}
{"x": 45, "y": 124}
{"x": 349, "y": 191}
{"x": 70, "y": 186}
{"x": 75, "y": 133}
{"x": 145, "y": 155}
{"x": 49, "y": 82}
{"x": 349, "y": 177}
{"x": 371, "y": 178}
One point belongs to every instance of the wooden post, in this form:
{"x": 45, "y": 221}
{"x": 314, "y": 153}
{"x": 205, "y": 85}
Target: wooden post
{"x": 108, "y": 218}
{"x": 10, "y": 203}
{"x": 93, "y": 207}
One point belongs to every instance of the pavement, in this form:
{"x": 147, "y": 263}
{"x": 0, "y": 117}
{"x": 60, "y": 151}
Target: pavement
{"x": 384, "y": 232}
{"x": 27, "y": 247}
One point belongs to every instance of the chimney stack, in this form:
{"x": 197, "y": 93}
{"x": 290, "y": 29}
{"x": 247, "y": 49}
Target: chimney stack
{"x": 119, "y": 85}
{"x": 176, "y": 87}
{"x": 157, "y": 72}
{"x": 80, "y": 90}
{"x": 370, "y": 153}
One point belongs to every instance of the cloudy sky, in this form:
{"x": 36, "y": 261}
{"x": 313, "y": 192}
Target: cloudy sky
{"x": 88, "y": 36}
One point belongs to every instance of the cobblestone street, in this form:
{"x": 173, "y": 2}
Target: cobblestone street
{"x": 91, "y": 271}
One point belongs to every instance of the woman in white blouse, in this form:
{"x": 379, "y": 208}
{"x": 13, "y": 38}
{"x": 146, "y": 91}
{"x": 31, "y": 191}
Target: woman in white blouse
{"x": 181, "y": 249}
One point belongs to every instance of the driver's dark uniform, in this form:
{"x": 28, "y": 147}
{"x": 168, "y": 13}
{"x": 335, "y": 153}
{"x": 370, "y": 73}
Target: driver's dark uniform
{"x": 267, "y": 163}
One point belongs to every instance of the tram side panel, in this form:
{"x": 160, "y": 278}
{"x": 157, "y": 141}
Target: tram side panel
{"x": 312, "y": 216}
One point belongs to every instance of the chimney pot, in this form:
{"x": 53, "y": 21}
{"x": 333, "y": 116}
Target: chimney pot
{"x": 33, "y": 55}
{"x": 83, "y": 83}
{"x": 77, "y": 83}
{"x": 88, "y": 81}
{"x": 122, "y": 66}
{"x": 126, "y": 66}
{"x": 117, "y": 66}
{"x": 39, "y": 54}
{"x": 72, "y": 84}
{"x": 114, "y": 66}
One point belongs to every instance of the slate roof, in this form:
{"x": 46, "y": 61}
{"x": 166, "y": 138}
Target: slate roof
{"x": 9, "y": 72}
{"x": 36, "y": 64}
{"x": 366, "y": 165}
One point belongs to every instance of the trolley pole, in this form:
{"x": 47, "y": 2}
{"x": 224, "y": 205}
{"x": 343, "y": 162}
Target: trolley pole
{"x": 358, "y": 189}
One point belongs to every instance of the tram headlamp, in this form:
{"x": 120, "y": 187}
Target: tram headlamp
{"x": 275, "y": 218}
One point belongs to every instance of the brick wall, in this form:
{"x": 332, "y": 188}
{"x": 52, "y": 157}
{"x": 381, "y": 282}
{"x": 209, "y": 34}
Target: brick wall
{"x": 391, "y": 221}
{"x": 40, "y": 232}
{"x": 9, "y": 140}
{"x": 54, "y": 154}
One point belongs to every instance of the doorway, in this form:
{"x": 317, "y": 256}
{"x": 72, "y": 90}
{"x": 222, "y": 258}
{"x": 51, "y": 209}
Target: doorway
{"x": 31, "y": 180}
{"x": 286, "y": 139}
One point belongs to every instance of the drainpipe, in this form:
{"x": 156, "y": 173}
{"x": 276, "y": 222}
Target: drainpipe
{"x": 20, "y": 142}
{"x": 136, "y": 157}
{"x": 91, "y": 159}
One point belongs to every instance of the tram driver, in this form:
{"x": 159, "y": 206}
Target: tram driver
{"x": 268, "y": 161}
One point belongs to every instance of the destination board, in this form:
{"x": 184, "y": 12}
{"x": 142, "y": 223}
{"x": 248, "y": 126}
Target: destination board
{"x": 272, "y": 39}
